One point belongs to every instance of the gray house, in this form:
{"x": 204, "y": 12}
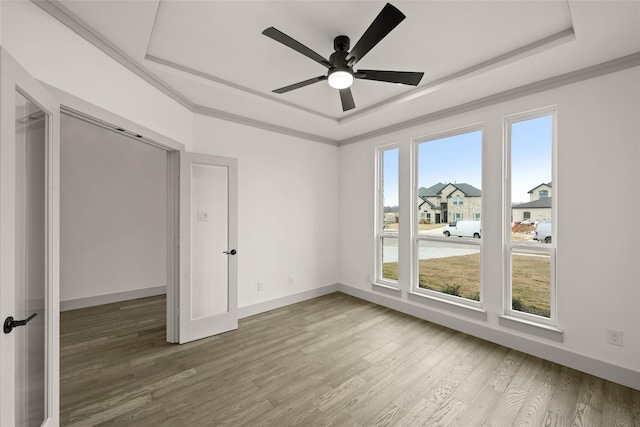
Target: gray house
{"x": 442, "y": 203}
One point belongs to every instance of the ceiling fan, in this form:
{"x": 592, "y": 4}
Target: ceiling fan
{"x": 340, "y": 64}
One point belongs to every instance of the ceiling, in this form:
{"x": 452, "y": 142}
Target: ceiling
{"x": 212, "y": 57}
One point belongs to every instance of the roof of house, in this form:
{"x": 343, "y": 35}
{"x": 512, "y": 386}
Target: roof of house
{"x": 424, "y": 200}
{"x": 468, "y": 190}
{"x": 435, "y": 190}
{"x": 432, "y": 191}
{"x": 548, "y": 184}
{"x": 545, "y": 202}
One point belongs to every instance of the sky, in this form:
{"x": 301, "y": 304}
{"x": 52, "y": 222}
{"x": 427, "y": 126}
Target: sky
{"x": 458, "y": 159}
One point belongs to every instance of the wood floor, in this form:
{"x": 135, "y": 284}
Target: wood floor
{"x": 331, "y": 361}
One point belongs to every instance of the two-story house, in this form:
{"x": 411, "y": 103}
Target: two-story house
{"x": 442, "y": 203}
{"x": 538, "y": 208}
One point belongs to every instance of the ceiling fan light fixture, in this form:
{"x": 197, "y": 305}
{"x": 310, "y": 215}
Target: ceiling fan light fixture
{"x": 340, "y": 79}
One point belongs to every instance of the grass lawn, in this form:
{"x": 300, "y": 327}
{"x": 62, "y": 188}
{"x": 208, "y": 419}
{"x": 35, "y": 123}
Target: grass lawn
{"x": 460, "y": 275}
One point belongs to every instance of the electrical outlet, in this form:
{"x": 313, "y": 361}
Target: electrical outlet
{"x": 290, "y": 280}
{"x": 614, "y": 337}
{"x": 260, "y": 286}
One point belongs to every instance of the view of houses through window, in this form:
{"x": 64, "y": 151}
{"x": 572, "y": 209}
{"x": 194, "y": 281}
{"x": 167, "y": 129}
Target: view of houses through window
{"x": 448, "y": 230}
{"x": 449, "y": 202}
{"x": 531, "y": 246}
{"x": 388, "y": 215}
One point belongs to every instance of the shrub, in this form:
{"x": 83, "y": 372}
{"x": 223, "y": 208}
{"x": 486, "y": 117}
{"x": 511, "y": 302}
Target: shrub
{"x": 451, "y": 290}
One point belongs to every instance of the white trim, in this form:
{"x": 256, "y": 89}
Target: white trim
{"x": 416, "y": 290}
{"x": 510, "y": 57}
{"x": 84, "y": 30}
{"x": 173, "y": 247}
{"x": 509, "y": 245}
{"x": 83, "y": 110}
{"x": 379, "y": 233}
{"x": 111, "y": 298}
{"x": 66, "y": 17}
{"x": 261, "y": 307}
{"x": 548, "y": 351}
{"x": 618, "y": 64}
{"x": 385, "y": 287}
{"x": 533, "y": 328}
{"x": 235, "y": 118}
{"x": 448, "y": 302}
{"x": 13, "y": 79}
{"x": 230, "y": 86}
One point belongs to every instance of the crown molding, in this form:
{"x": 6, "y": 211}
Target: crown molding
{"x": 618, "y": 64}
{"x": 72, "y": 21}
{"x": 234, "y": 87}
{"x": 510, "y": 57}
{"x": 236, "y": 118}
{"x": 84, "y": 30}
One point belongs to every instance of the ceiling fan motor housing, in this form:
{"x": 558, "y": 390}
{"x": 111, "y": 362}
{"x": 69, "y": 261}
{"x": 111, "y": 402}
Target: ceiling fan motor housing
{"x": 341, "y": 44}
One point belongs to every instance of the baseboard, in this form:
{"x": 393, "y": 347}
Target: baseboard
{"x": 261, "y": 307}
{"x": 599, "y": 368}
{"x": 110, "y": 298}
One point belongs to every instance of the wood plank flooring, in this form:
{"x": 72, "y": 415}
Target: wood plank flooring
{"x": 331, "y": 361}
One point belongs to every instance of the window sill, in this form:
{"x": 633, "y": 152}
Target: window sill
{"x": 533, "y": 328}
{"x": 386, "y": 288}
{"x": 448, "y": 305}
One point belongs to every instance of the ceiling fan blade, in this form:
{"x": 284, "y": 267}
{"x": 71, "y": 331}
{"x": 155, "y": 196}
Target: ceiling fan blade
{"x": 300, "y": 84}
{"x": 403, "y": 77}
{"x": 281, "y": 37}
{"x": 387, "y": 20}
{"x": 347, "y": 99}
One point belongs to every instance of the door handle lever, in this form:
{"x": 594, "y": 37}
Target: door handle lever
{"x": 10, "y": 323}
{"x": 231, "y": 252}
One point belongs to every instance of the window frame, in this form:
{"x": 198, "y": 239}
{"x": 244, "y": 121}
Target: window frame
{"x": 508, "y": 245}
{"x": 416, "y": 238}
{"x": 380, "y": 234}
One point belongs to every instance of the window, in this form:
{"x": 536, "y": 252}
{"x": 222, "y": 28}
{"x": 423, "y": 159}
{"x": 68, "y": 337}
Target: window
{"x": 476, "y": 216}
{"x": 387, "y": 218}
{"x": 447, "y": 267}
{"x": 530, "y": 249}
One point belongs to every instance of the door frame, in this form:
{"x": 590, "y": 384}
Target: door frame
{"x": 17, "y": 79}
{"x": 83, "y": 110}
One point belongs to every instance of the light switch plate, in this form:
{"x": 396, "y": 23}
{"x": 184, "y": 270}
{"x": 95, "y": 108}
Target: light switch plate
{"x": 203, "y": 216}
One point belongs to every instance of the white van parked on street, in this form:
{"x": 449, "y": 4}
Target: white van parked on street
{"x": 463, "y": 229}
{"x": 543, "y": 232}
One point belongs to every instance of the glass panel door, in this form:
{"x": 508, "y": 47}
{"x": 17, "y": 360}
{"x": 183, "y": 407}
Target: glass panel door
{"x": 208, "y": 253}
{"x": 31, "y": 148}
{"x": 29, "y": 254}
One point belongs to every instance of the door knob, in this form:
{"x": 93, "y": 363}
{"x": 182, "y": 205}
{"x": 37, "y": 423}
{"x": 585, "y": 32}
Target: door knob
{"x": 10, "y": 323}
{"x": 231, "y": 252}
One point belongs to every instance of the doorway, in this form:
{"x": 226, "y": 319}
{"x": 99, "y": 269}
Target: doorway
{"x": 113, "y": 215}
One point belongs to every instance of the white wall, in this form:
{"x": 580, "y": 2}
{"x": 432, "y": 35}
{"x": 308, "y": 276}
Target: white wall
{"x": 56, "y": 55}
{"x": 597, "y": 274}
{"x": 287, "y": 204}
{"x": 113, "y": 213}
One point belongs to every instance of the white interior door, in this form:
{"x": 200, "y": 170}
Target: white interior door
{"x": 208, "y": 301}
{"x": 29, "y": 259}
